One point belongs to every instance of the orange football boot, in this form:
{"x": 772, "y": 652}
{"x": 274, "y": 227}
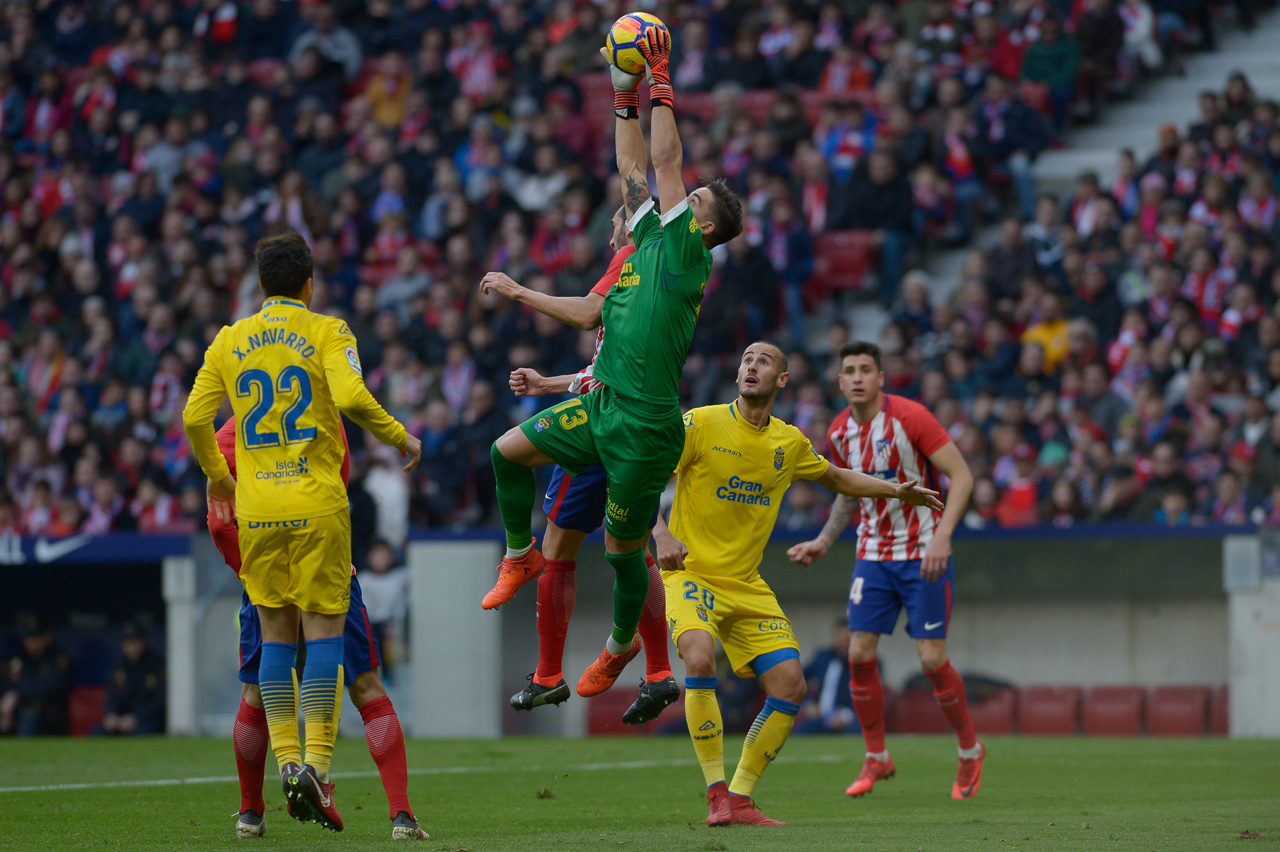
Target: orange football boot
{"x": 745, "y": 812}
{"x": 872, "y": 771}
{"x": 601, "y": 674}
{"x": 512, "y": 574}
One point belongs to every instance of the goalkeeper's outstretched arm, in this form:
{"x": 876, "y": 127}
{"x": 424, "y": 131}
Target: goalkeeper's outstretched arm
{"x": 633, "y": 161}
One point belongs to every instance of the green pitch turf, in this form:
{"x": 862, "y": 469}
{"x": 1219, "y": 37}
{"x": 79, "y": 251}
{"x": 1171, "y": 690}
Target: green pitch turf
{"x": 647, "y": 794}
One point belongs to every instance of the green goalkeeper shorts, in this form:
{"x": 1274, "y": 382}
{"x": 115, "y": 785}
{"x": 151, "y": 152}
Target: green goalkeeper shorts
{"x": 638, "y": 455}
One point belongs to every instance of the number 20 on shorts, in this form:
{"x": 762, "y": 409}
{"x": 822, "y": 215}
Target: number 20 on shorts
{"x": 691, "y": 594}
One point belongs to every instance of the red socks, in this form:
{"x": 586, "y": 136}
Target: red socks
{"x": 386, "y": 746}
{"x": 557, "y": 591}
{"x": 250, "y": 740}
{"x": 868, "y": 703}
{"x": 948, "y": 688}
{"x": 653, "y": 625}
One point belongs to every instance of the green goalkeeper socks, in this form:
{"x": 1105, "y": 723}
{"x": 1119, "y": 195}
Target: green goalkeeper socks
{"x": 516, "y": 493}
{"x": 630, "y": 590}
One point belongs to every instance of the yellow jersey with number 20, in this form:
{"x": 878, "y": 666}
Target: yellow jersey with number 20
{"x": 729, "y": 486}
{"x": 288, "y": 372}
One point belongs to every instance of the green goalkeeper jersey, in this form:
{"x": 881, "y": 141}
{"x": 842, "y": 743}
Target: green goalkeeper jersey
{"x": 650, "y": 314}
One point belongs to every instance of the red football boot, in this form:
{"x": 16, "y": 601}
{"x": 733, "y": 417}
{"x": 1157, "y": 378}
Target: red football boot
{"x": 718, "y": 813}
{"x": 745, "y": 812}
{"x": 872, "y": 771}
{"x": 969, "y": 776}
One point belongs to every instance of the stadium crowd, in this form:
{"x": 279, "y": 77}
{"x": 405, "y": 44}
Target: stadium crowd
{"x": 1117, "y": 356}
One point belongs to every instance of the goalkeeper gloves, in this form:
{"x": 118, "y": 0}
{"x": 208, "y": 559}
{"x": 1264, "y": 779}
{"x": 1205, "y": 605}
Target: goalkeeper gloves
{"x": 656, "y": 48}
{"x": 626, "y": 89}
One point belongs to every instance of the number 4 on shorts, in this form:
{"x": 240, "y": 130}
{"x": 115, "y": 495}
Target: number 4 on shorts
{"x": 855, "y": 592}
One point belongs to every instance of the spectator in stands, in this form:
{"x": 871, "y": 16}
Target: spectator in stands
{"x": 1014, "y": 135}
{"x": 385, "y": 586}
{"x": 1054, "y": 61}
{"x": 878, "y": 199}
{"x": 136, "y": 694}
{"x": 35, "y": 687}
{"x": 828, "y": 707}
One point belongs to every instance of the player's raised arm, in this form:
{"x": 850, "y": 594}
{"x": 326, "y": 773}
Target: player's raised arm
{"x": 668, "y": 152}
{"x": 346, "y": 385}
{"x": 951, "y": 463}
{"x": 577, "y": 311}
{"x": 203, "y": 403}
{"x": 633, "y": 161}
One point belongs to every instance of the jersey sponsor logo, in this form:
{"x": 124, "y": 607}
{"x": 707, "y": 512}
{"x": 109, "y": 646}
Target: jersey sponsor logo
{"x": 778, "y": 458}
{"x": 629, "y": 277}
{"x": 708, "y": 725}
{"x": 353, "y": 361}
{"x": 688, "y": 421}
{"x": 774, "y": 625}
{"x": 727, "y": 450}
{"x": 693, "y": 225}
{"x": 617, "y": 512}
{"x": 278, "y": 525}
{"x": 285, "y": 471}
{"x": 743, "y": 491}
{"x": 345, "y": 330}
{"x": 49, "y": 551}
{"x": 542, "y": 424}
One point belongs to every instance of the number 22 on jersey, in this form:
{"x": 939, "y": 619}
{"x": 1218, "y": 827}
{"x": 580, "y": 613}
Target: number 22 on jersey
{"x": 259, "y": 384}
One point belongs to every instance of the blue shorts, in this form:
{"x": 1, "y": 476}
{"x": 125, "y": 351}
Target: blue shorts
{"x": 577, "y": 502}
{"x": 881, "y": 589}
{"x": 359, "y": 645}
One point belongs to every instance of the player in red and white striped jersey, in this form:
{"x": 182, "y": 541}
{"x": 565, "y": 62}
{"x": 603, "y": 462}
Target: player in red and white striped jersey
{"x": 904, "y": 555}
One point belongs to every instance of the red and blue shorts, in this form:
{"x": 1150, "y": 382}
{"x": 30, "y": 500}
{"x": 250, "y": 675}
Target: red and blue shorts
{"x": 880, "y": 590}
{"x": 578, "y": 502}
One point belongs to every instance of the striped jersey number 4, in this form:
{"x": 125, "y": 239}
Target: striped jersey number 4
{"x": 855, "y": 592}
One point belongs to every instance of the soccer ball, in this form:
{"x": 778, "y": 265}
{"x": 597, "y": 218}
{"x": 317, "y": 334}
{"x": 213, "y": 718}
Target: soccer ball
{"x": 624, "y": 36}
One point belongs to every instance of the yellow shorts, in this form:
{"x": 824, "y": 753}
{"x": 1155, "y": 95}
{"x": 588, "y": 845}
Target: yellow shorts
{"x": 743, "y": 614}
{"x": 304, "y": 563}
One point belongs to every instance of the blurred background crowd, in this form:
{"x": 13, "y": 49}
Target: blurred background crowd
{"x": 1115, "y": 357}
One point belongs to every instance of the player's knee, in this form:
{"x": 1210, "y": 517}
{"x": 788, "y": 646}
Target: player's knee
{"x": 367, "y": 687}
{"x": 792, "y": 689}
{"x": 862, "y": 646}
{"x": 699, "y": 661}
{"x": 249, "y": 692}
{"x": 933, "y": 655}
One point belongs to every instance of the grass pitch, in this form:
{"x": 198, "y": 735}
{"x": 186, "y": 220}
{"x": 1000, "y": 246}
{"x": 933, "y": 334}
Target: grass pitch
{"x": 647, "y": 794}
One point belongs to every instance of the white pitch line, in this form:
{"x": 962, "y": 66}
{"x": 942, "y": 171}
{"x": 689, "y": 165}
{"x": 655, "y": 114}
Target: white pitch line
{"x": 434, "y": 770}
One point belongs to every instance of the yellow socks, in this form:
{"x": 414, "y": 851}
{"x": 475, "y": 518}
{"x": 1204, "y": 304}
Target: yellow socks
{"x": 702, "y": 712}
{"x": 277, "y": 681}
{"x": 763, "y": 742}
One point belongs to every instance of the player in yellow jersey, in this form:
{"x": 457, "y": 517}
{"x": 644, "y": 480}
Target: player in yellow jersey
{"x": 290, "y": 373}
{"x": 737, "y": 464}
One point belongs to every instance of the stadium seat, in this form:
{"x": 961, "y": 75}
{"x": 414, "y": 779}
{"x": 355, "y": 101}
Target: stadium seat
{"x": 917, "y": 712}
{"x": 1049, "y": 710}
{"x": 86, "y": 706}
{"x": 1220, "y": 712}
{"x": 842, "y": 260}
{"x": 757, "y": 102}
{"x": 1178, "y": 711}
{"x": 1113, "y": 711}
{"x": 995, "y": 713}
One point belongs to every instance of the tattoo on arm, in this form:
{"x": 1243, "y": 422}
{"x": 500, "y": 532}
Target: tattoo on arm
{"x": 841, "y": 512}
{"x": 637, "y": 193}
